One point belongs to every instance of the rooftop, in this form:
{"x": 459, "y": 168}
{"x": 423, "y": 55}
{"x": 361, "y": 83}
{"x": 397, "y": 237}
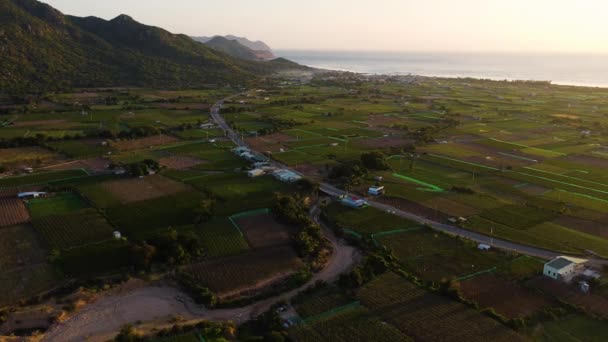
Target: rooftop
{"x": 561, "y": 262}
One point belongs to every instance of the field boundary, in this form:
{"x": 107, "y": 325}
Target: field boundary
{"x": 332, "y": 312}
{"x": 473, "y": 275}
{"x": 431, "y": 187}
{"x": 247, "y": 213}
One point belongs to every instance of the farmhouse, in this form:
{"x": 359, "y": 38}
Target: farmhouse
{"x": 376, "y": 190}
{"x": 353, "y": 202}
{"x": 255, "y": 173}
{"x": 563, "y": 268}
{"x": 286, "y": 176}
{"x": 241, "y": 150}
{"x": 32, "y": 194}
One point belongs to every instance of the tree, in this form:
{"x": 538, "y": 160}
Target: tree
{"x": 142, "y": 254}
{"x": 204, "y": 211}
{"x": 128, "y": 334}
{"x": 374, "y": 161}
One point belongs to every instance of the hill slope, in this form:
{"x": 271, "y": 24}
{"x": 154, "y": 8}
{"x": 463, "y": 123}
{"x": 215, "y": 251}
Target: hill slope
{"x": 236, "y": 49}
{"x": 42, "y": 49}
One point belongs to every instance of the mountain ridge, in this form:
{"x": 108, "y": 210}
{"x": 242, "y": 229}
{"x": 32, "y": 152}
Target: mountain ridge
{"x": 45, "y": 50}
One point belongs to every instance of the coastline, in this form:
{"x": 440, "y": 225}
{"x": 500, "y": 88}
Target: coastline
{"x": 564, "y": 70}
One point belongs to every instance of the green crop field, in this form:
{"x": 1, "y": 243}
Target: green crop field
{"x": 42, "y": 178}
{"x": 80, "y": 227}
{"x": 59, "y": 204}
{"x": 367, "y": 220}
{"x": 357, "y": 324}
{"x": 221, "y": 238}
{"x": 402, "y": 304}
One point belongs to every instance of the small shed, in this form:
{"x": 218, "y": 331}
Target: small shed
{"x": 484, "y": 247}
{"x": 117, "y": 235}
{"x": 353, "y": 202}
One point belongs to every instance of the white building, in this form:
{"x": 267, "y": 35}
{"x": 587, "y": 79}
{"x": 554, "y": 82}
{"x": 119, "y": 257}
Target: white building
{"x": 376, "y": 190}
{"x": 255, "y": 173}
{"x": 32, "y": 194}
{"x": 563, "y": 268}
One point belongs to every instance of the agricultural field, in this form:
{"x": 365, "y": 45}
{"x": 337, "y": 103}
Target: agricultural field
{"x": 78, "y": 228}
{"x": 356, "y": 324}
{"x": 574, "y": 328}
{"x": 12, "y": 212}
{"x": 58, "y": 204}
{"x": 231, "y": 276}
{"x": 402, "y": 304}
{"x": 221, "y": 238}
{"x": 19, "y": 247}
{"x": 367, "y": 220}
{"x": 262, "y": 230}
{"x": 41, "y": 178}
{"x": 142, "y": 189}
{"x": 15, "y": 158}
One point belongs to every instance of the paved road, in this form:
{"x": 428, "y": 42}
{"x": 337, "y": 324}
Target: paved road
{"x": 446, "y": 228}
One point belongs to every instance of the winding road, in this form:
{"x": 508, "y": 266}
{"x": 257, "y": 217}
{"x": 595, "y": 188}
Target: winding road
{"x": 155, "y": 305}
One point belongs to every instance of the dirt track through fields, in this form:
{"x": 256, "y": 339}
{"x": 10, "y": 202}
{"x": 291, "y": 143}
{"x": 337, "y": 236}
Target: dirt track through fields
{"x": 101, "y": 320}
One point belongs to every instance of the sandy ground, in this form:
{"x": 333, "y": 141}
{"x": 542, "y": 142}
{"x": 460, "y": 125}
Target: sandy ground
{"x": 102, "y": 319}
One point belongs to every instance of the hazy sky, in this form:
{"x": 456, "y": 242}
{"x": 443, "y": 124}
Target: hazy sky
{"x": 391, "y": 25}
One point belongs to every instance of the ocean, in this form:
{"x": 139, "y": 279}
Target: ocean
{"x": 568, "y": 69}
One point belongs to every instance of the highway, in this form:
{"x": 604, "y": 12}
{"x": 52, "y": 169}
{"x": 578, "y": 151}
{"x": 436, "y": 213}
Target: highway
{"x": 446, "y": 228}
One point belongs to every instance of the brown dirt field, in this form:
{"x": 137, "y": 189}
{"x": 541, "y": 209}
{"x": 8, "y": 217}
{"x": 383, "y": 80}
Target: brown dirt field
{"x": 414, "y": 208}
{"x": 179, "y": 162}
{"x": 533, "y": 189}
{"x": 200, "y": 106}
{"x": 141, "y": 143}
{"x": 569, "y": 292}
{"x": 506, "y": 297}
{"x": 37, "y": 123}
{"x": 12, "y": 212}
{"x": 92, "y": 164}
{"x": 587, "y": 160}
{"x": 264, "y": 231}
{"x": 272, "y": 142}
{"x": 381, "y": 120}
{"x": 141, "y": 189}
{"x": 451, "y": 207}
{"x": 597, "y": 228}
{"x": 384, "y": 142}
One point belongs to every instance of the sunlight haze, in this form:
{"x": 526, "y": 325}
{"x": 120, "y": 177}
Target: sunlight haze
{"x": 400, "y": 25}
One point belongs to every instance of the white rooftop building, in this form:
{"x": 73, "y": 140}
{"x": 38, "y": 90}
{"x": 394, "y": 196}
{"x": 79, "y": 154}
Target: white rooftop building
{"x": 563, "y": 268}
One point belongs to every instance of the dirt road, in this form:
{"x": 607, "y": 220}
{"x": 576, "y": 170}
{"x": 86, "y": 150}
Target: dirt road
{"x": 102, "y": 319}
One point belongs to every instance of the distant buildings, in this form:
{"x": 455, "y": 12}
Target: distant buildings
{"x": 286, "y": 176}
{"x": 564, "y": 268}
{"x": 255, "y": 173}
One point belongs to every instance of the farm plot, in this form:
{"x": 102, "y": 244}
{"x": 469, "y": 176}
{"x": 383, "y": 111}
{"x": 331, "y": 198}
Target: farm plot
{"x": 26, "y": 156}
{"x": 12, "y": 212}
{"x": 356, "y": 324}
{"x": 141, "y": 189}
{"x": 80, "y": 148}
{"x": 140, "y": 219}
{"x": 143, "y": 143}
{"x": 58, "y": 204}
{"x": 434, "y": 256}
{"x": 319, "y": 301}
{"x": 19, "y": 247}
{"x": 504, "y": 296}
{"x": 221, "y": 238}
{"x": 236, "y": 275}
{"x": 179, "y": 162}
{"x": 574, "y": 328}
{"x": 367, "y": 220}
{"x": 42, "y": 178}
{"x": 264, "y": 231}
{"x": 108, "y": 256}
{"x": 78, "y": 228}
{"x": 417, "y": 312}
{"x": 25, "y": 283}
{"x": 590, "y": 302}
{"x": 518, "y": 216}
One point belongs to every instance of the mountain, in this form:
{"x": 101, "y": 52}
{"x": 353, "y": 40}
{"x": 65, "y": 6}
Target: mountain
{"x": 257, "y": 46}
{"x": 43, "y": 49}
{"x": 236, "y": 49}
